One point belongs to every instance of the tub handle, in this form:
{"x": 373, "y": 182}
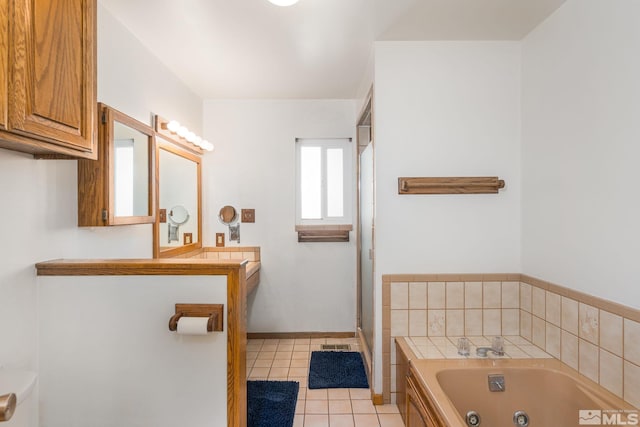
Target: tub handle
{"x": 8, "y": 404}
{"x": 520, "y": 419}
{"x": 473, "y": 419}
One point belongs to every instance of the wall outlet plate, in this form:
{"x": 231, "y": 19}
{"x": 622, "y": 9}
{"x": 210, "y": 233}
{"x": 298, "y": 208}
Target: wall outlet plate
{"x": 162, "y": 214}
{"x": 219, "y": 240}
{"x": 248, "y": 215}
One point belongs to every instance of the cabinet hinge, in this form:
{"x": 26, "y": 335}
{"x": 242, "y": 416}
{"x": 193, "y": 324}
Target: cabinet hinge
{"x": 105, "y": 215}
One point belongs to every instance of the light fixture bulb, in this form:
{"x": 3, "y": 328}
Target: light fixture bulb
{"x": 284, "y": 2}
{"x": 173, "y": 126}
{"x": 206, "y": 145}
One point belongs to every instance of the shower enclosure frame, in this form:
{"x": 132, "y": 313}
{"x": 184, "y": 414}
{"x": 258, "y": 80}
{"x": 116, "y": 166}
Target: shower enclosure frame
{"x": 366, "y": 252}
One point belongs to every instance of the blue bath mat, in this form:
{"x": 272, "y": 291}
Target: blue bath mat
{"x": 271, "y": 403}
{"x": 337, "y": 369}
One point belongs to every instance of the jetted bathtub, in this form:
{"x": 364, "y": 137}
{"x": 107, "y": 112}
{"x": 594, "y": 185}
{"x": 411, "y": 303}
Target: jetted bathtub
{"x": 535, "y": 392}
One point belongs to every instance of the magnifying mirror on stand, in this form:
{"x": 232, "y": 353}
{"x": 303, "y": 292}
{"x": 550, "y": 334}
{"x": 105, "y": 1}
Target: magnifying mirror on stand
{"x": 228, "y": 215}
{"x": 178, "y": 215}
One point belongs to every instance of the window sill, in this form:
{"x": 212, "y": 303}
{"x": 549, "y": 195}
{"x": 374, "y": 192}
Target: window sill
{"x": 323, "y": 233}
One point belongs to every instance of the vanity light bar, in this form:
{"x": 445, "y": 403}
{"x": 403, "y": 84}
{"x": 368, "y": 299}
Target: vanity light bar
{"x": 177, "y": 131}
{"x": 176, "y": 128}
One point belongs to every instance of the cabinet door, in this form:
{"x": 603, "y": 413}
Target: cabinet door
{"x": 53, "y": 90}
{"x": 415, "y": 418}
{"x": 119, "y": 187}
{"x": 4, "y": 61}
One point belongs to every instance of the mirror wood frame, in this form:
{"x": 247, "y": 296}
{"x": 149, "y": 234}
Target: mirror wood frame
{"x": 163, "y": 143}
{"x": 96, "y": 185}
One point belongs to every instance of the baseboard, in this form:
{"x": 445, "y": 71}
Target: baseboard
{"x": 378, "y": 399}
{"x": 366, "y": 355}
{"x": 293, "y": 335}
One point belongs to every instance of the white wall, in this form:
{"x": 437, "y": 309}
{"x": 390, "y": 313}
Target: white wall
{"x": 445, "y": 109}
{"x": 303, "y": 286}
{"x": 132, "y": 80}
{"x": 581, "y": 134}
{"x": 366, "y": 83}
{"x": 39, "y": 197}
{"x": 107, "y": 357}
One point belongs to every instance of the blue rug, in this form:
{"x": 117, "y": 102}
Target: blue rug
{"x": 337, "y": 369}
{"x": 271, "y": 403}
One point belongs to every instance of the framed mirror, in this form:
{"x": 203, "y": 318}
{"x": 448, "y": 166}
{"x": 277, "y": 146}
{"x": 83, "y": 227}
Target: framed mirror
{"x": 119, "y": 187}
{"x": 178, "y": 225}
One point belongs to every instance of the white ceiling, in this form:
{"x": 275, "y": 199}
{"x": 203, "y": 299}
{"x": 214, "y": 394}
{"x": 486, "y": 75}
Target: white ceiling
{"x": 314, "y": 49}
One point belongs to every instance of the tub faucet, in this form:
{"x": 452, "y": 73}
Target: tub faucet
{"x": 482, "y": 351}
{"x": 497, "y": 348}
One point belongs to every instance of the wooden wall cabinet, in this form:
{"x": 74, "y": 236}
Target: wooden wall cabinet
{"x": 48, "y": 77}
{"x": 118, "y": 188}
{"x": 4, "y": 62}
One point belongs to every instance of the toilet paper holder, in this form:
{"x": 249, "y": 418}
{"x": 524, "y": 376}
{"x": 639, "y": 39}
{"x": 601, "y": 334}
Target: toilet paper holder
{"x": 215, "y": 313}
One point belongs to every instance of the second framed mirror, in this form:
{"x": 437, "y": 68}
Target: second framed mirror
{"x": 178, "y": 226}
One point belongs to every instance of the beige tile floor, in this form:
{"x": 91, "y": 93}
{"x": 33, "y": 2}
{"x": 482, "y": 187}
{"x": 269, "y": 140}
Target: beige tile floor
{"x": 288, "y": 360}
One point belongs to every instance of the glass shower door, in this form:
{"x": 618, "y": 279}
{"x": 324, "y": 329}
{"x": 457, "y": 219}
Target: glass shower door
{"x": 366, "y": 244}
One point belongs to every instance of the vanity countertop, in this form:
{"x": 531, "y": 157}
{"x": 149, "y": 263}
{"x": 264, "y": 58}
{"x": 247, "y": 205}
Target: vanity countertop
{"x": 252, "y": 268}
{"x": 119, "y": 267}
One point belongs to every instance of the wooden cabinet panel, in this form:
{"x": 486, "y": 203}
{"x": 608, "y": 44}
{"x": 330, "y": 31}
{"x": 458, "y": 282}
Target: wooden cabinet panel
{"x": 54, "y": 80}
{"x": 415, "y": 417}
{"x": 4, "y": 61}
{"x": 420, "y": 410}
{"x": 51, "y": 77}
{"x": 402, "y": 372}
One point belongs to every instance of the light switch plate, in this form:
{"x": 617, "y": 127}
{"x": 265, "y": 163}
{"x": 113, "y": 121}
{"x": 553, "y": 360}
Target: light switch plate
{"x": 248, "y": 215}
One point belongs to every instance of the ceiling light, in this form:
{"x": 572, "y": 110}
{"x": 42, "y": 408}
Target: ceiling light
{"x": 284, "y": 2}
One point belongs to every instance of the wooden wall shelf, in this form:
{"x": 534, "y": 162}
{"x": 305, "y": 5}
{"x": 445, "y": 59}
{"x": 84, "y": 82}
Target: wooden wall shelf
{"x": 450, "y": 185}
{"x": 323, "y": 233}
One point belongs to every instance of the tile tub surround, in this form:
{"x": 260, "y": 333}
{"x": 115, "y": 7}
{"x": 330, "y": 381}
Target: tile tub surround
{"x": 598, "y": 338}
{"x": 515, "y": 347}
